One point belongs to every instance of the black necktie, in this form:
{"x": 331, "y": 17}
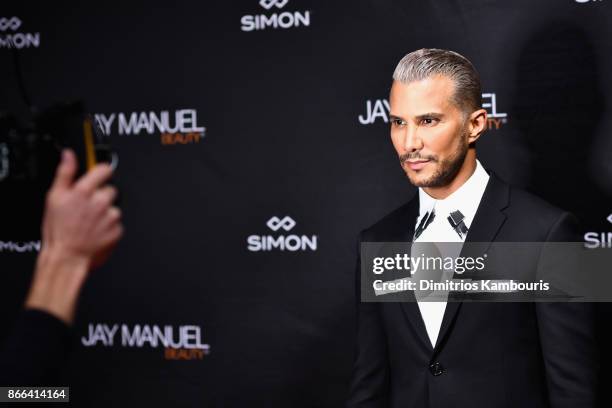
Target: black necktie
{"x": 425, "y": 221}
{"x": 456, "y": 221}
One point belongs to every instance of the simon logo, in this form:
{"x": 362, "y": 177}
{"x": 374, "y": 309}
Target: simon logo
{"x": 14, "y": 39}
{"x": 268, "y": 4}
{"x": 291, "y": 242}
{"x": 12, "y": 246}
{"x": 284, "y": 20}
{"x": 276, "y": 223}
{"x": 599, "y": 239}
{"x": 12, "y": 23}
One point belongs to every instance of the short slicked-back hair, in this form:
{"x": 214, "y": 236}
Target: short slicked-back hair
{"x": 428, "y": 62}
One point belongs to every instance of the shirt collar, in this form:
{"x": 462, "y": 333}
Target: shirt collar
{"x": 465, "y": 199}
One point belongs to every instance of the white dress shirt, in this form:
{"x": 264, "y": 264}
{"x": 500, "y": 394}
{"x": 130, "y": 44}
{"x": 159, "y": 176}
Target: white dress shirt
{"x": 465, "y": 199}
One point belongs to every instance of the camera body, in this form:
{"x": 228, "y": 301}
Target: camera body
{"x": 29, "y": 152}
{"x": 29, "y": 155}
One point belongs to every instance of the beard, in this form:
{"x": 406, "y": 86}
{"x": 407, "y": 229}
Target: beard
{"x": 446, "y": 169}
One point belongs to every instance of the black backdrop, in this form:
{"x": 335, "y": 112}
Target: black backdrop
{"x": 288, "y": 134}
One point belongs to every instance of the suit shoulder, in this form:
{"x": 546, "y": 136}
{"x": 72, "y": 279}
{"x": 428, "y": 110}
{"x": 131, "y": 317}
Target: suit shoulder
{"x": 532, "y": 205}
{"x": 529, "y": 213}
{"x": 395, "y": 221}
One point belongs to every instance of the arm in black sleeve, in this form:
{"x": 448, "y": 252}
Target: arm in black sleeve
{"x": 567, "y": 338}
{"x": 35, "y": 350}
{"x": 369, "y": 384}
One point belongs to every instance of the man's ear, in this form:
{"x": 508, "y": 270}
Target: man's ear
{"x": 477, "y": 123}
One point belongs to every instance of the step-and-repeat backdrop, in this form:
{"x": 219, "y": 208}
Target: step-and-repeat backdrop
{"x": 253, "y": 139}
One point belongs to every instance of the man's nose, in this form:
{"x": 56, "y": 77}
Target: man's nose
{"x": 413, "y": 142}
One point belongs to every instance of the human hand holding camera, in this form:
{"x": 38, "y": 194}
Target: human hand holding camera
{"x": 80, "y": 228}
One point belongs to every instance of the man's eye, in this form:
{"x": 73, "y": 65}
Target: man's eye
{"x": 429, "y": 121}
{"x": 397, "y": 122}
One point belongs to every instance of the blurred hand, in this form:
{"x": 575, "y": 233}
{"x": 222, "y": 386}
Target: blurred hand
{"x": 80, "y": 219}
{"x": 80, "y": 228}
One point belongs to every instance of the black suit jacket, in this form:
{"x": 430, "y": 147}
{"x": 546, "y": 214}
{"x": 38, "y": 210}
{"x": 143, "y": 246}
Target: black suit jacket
{"x": 487, "y": 354}
{"x": 35, "y": 351}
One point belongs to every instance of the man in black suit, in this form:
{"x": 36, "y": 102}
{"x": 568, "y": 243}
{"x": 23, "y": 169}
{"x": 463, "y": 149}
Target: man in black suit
{"x": 465, "y": 354}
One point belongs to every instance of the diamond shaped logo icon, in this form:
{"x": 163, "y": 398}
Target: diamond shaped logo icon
{"x": 268, "y": 4}
{"x": 609, "y": 218}
{"x": 13, "y": 23}
{"x": 286, "y": 223}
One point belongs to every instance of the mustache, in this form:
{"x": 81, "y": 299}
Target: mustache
{"x": 415, "y": 156}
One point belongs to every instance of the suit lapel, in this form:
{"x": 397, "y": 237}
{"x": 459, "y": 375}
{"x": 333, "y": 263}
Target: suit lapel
{"x": 489, "y": 217}
{"x": 485, "y": 226}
